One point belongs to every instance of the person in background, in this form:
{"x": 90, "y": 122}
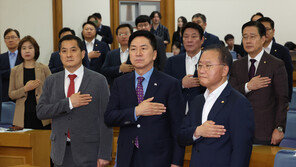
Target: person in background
{"x": 290, "y": 45}
{"x": 26, "y": 81}
{"x": 55, "y": 64}
{"x": 233, "y": 48}
{"x": 158, "y": 29}
{"x": 256, "y": 16}
{"x": 103, "y": 32}
{"x": 176, "y": 48}
{"x": 177, "y": 36}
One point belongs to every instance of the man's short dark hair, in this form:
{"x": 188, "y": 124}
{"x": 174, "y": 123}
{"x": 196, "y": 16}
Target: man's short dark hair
{"x": 260, "y": 27}
{"x": 143, "y": 33}
{"x": 194, "y": 26}
{"x": 267, "y": 19}
{"x": 153, "y": 13}
{"x": 257, "y": 14}
{"x": 290, "y": 45}
{"x": 30, "y": 39}
{"x": 125, "y": 25}
{"x": 143, "y": 19}
{"x": 224, "y": 55}
{"x": 177, "y": 44}
{"x": 89, "y": 22}
{"x": 91, "y": 16}
{"x": 69, "y": 38}
{"x": 10, "y": 30}
{"x": 97, "y": 15}
{"x": 228, "y": 37}
{"x": 65, "y": 29}
{"x": 202, "y": 16}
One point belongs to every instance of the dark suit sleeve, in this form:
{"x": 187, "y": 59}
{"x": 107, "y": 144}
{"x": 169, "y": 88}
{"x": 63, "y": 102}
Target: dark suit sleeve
{"x": 108, "y": 69}
{"x": 52, "y": 63}
{"x": 176, "y": 109}
{"x": 47, "y": 110}
{"x": 161, "y": 55}
{"x": 166, "y": 35}
{"x": 114, "y": 115}
{"x": 5, "y": 72}
{"x": 241, "y": 129}
{"x": 280, "y": 85}
{"x": 106, "y": 133}
{"x": 107, "y": 35}
{"x": 289, "y": 68}
{"x": 234, "y": 79}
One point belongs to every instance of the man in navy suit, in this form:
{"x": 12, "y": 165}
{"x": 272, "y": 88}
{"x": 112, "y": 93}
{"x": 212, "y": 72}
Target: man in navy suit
{"x": 210, "y": 39}
{"x": 117, "y": 61}
{"x": 277, "y": 50}
{"x": 183, "y": 66}
{"x": 9, "y": 59}
{"x": 55, "y": 64}
{"x": 148, "y": 107}
{"x": 103, "y": 31}
{"x": 220, "y": 123}
{"x": 95, "y": 50}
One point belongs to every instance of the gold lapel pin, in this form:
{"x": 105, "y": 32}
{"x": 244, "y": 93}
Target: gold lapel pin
{"x": 275, "y": 50}
{"x": 222, "y": 101}
{"x": 155, "y": 84}
{"x": 96, "y": 44}
{"x": 264, "y": 62}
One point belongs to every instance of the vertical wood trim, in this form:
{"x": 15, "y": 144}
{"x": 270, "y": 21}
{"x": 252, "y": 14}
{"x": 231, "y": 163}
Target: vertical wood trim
{"x": 57, "y": 19}
{"x": 114, "y": 16}
{"x": 167, "y": 10}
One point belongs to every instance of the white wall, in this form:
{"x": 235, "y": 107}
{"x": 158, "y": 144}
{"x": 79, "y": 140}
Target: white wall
{"x": 228, "y": 16}
{"x": 75, "y": 12}
{"x": 29, "y": 17}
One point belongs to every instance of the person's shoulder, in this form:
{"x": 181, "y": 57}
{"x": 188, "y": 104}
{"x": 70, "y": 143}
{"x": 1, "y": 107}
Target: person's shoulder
{"x": 106, "y": 27}
{"x": 241, "y": 61}
{"x": 280, "y": 48}
{"x": 57, "y": 53}
{"x": 114, "y": 51}
{"x": 166, "y": 78}
{"x": 3, "y": 54}
{"x": 178, "y": 57}
{"x": 273, "y": 60}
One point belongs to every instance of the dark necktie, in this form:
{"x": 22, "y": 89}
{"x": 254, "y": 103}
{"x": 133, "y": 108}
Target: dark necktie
{"x": 140, "y": 96}
{"x": 252, "y": 69}
{"x": 71, "y": 90}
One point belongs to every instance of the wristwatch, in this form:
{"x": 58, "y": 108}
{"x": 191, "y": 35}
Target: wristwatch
{"x": 280, "y": 129}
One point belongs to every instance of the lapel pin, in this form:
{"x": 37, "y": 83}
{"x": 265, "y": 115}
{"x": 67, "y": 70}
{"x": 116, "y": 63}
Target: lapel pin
{"x": 264, "y": 62}
{"x": 155, "y": 84}
{"x": 222, "y": 101}
{"x": 96, "y": 44}
{"x": 275, "y": 50}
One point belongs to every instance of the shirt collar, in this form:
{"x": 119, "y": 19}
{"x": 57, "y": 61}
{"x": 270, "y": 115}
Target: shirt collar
{"x": 217, "y": 92}
{"x": 79, "y": 72}
{"x": 147, "y": 75}
{"x": 194, "y": 57}
{"x": 123, "y": 51}
{"x": 258, "y": 57}
{"x": 91, "y": 42}
{"x": 16, "y": 52}
{"x": 270, "y": 45}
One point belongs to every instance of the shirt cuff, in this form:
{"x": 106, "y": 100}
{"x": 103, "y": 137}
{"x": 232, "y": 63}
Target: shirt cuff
{"x": 136, "y": 118}
{"x": 195, "y": 138}
{"x": 70, "y": 104}
{"x": 246, "y": 88}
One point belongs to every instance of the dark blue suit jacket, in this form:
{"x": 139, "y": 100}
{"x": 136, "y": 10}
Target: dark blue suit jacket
{"x": 283, "y": 53}
{"x": 156, "y": 134}
{"x": 210, "y": 39}
{"x": 176, "y": 67}
{"x": 234, "y": 112}
{"x": 111, "y": 66}
{"x": 55, "y": 64}
{"x": 96, "y": 64}
{"x": 106, "y": 34}
{"x": 5, "y": 72}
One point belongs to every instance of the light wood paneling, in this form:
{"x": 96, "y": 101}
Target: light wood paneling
{"x": 57, "y": 19}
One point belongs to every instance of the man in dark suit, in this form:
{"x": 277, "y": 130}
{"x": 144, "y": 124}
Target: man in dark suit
{"x": 96, "y": 51}
{"x": 55, "y": 64}
{"x": 76, "y": 99}
{"x": 117, "y": 61}
{"x": 143, "y": 22}
{"x": 229, "y": 40}
{"x": 262, "y": 78}
{"x": 277, "y": 50}
{"x": 220, "y": 123}
{"x": 9, "y": 59}
{"x": 148, "y": 107}
{"x": 209, "y": 38}
{"x": 103, "y": 31}
{"x": 183, "y": 66}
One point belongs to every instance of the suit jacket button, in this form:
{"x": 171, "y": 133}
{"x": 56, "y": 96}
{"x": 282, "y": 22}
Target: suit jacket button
{"x": 69, "y": 118}
{"x": 133, "y": 142}
{"x": 138, "y": 126}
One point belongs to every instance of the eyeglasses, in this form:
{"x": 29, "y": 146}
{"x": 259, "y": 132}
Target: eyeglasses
{"x": 208, "y": 66}
{"x": 268, "y": 29}
{"x": 123, "y": 34}
{"x": 11, "y": 37}
{"x": 186, "y": 37}
{"x": 145, "y": 25}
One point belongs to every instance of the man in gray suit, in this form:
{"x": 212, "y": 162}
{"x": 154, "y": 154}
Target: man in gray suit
{"x": 76, "y": 99}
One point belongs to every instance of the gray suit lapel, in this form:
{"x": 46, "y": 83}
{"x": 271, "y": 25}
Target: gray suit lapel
{"x": 61, "y": 85}
{"x": 85, "y": 80}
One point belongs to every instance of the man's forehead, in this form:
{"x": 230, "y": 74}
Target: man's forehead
{"x": 69, "y": 43}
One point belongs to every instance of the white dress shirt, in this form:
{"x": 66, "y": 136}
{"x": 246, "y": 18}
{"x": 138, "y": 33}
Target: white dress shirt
{"x": 123, "y": 55}
{"x": 268, "y": 48}
{"x": 210, "y": 99}
{"x": 191, "y": 62}
{"x": 257, "y": 58}
{"x": 77, "y": 81}
{"x": 90, "y": 45}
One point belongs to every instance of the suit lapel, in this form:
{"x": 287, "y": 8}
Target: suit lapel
{"x": 199, "y": 108}
{"x": 245, "y": 69}
{"x": 131, "y": 86}
{"x": 117, "y": 58}
{"x": 152, "y": 85}
{"x": 85, "y": 80}
{"x": 183, "y": 64}
{"x": 220, "y": 102}
{"x": 262, "y": 64}
{"x": 61, "y": 85}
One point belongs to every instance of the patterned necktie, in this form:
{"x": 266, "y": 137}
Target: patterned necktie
{"x": 252, "y": 69}
{"x": 140, "y": 90}
{"x": 71, "y": 90}
{"x": 140, "y": 96}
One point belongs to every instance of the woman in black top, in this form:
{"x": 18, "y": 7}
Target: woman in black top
{"x": 177, "y": 36}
